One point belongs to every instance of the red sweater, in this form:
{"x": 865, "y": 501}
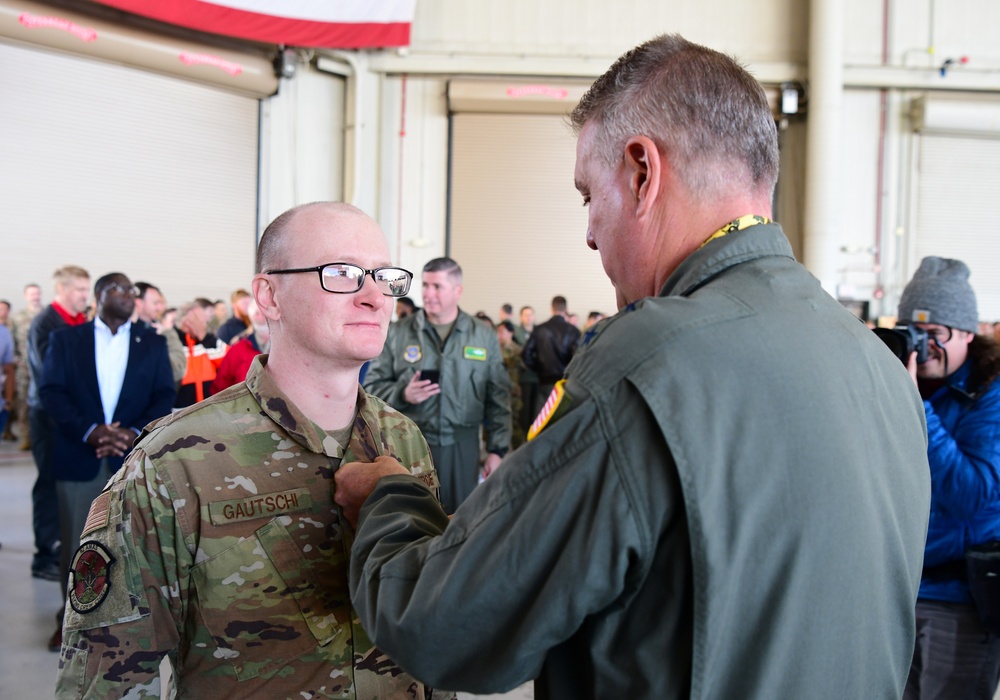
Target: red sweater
{"x": 235, "y": 365}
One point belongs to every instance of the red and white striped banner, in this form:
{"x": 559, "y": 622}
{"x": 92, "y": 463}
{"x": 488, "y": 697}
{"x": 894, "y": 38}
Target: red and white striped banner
{"x": 333, "y": 24}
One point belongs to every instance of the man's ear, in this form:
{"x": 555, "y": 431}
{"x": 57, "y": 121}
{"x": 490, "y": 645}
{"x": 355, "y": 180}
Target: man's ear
{"x": 644, "y": 167}
{"x": 263, "y": 293}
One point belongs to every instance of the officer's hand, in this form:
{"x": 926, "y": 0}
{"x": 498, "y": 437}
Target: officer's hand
{"x": 356, "y": 481}
{"x": 419, "y": 390}
{"x": 911, "y": 367}
{"x": 491, "y": 463}
{"x": 110, "y": 440}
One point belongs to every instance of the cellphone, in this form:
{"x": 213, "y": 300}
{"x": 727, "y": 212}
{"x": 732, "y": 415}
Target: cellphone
{"x": 433, "y": 374}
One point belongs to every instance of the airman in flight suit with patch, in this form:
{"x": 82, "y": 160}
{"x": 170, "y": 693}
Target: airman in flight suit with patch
{"x": 469, "y": 390}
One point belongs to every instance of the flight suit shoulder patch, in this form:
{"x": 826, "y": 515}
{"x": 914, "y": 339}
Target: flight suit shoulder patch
{"x": 555, "y": 407}
{"x": 412, "y": 354}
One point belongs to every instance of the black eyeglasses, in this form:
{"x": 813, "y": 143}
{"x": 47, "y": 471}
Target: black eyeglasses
{"x": 122, "y": 289}
{"x": 939, "y": 335}
{"x": 345, "y": 278}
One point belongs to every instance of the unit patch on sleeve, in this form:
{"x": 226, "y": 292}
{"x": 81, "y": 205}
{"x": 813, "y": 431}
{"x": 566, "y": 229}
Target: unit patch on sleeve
{"x": 90, "y": 574}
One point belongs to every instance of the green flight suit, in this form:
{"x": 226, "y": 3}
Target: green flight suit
{"x": 731, "y": 504}
{"x": 475, "y": 394}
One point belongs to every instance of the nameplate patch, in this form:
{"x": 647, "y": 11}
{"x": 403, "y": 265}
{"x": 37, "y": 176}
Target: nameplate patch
{"x": 472, "y": 353}
{"x": 266, "y": 505}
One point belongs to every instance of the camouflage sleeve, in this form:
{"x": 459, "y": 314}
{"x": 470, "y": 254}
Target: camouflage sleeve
{"x": 498, "y": 414}
{"x": 414, "y": 454}
{"x": 175, "y": 351}
{"x": 127, "y": 594}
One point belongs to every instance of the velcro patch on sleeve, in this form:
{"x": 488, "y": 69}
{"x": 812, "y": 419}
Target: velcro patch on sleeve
{"x": 90, "y": 577}
{"x": 429, "y": 478}
{"x": 100, "y": 512}
{"x": 555, "y": 406}
{"x": 266, "y": 505}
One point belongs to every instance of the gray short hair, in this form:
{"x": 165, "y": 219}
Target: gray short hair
{"x": 448, "y": 265}
{"x": 700, "y": 107}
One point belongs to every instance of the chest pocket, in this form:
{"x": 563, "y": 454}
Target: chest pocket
{"x": 262, "y": 602}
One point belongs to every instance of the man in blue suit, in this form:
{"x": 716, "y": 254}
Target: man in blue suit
{"x": 103, "y": 381}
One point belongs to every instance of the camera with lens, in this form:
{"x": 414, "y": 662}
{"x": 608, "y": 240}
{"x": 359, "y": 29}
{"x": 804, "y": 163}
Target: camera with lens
{"x": 903, "y": 340}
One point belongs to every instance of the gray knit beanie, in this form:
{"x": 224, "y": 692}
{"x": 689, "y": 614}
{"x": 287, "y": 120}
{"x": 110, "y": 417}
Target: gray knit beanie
{"x": 940, "y": 293}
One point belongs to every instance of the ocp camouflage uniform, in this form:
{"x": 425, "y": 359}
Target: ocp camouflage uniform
{"x": 227, "y": 556}
{"x": 20, "y": 323}
{"x": 515, "y": 367}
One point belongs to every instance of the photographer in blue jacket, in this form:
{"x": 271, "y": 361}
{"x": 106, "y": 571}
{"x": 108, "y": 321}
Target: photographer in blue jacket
{"x": 955, "y": 656}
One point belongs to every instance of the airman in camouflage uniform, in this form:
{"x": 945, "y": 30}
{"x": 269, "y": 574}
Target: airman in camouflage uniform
{"x": 218, "y": 544}
{"x": 20, "y": 323}
{"x": 514, "y": 363}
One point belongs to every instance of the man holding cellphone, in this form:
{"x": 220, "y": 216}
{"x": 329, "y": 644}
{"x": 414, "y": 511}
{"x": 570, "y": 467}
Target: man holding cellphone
{"x": 444, "y": 370}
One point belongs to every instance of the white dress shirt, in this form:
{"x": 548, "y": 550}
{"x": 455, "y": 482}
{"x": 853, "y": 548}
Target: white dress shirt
{"x": 111, "y": 355}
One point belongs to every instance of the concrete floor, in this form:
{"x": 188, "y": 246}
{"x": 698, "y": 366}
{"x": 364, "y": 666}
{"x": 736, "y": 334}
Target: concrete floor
{"x": 28, "y": 606}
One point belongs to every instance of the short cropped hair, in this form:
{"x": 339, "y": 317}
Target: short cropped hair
{"x": 447, "y": 265}
{"x": 186, "y": 308}
{"x": 269, "y": 249}
{"x": 67, "y": 273}
{"x": 701, "y": 108}
{"x": 106, "y": 281}
{"x": 144, "y": 287}
{"x": 559, "y": 304}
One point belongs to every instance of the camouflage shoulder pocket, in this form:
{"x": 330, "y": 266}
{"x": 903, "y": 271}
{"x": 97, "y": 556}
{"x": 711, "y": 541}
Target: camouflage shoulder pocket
{"x": 105, "y": 586}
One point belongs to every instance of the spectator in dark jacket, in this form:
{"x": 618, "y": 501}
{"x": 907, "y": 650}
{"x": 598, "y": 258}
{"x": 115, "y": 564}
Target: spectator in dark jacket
{"x": 550, "y": 348}
{"x": 66, "y": 309}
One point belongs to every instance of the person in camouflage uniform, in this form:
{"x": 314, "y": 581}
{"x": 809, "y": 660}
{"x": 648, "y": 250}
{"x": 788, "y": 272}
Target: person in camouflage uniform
{"x": 218, "y": 544}
{"x": 515, "y": 368}
{"x": 20, "y": 324}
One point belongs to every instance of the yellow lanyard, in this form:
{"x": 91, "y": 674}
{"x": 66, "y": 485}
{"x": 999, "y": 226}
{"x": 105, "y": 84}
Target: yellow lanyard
{"x": 739, "y": 224}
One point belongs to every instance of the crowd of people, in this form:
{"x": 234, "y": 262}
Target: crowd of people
{"x": 79, "y": 429}
{"x": 728, "y": 489}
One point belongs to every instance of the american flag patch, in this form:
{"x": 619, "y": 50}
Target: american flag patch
{"x": 548, "y": 410}
{"x": 100, "y": 513}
